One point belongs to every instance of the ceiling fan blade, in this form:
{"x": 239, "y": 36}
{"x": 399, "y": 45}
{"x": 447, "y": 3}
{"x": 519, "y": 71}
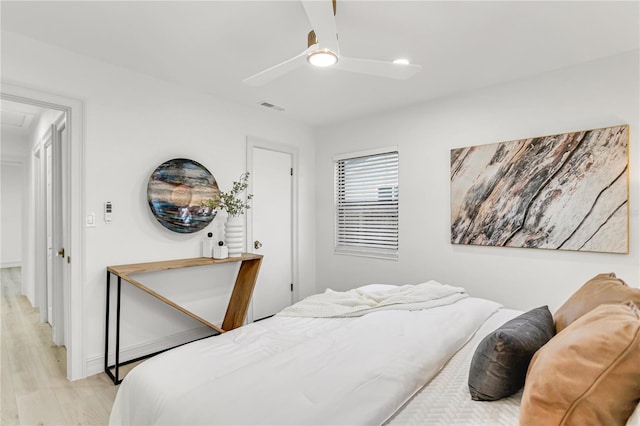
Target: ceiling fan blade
{"x": 378, "y": 68}
{"x": 323, "y": 22}
{"x": 276, "y": 71}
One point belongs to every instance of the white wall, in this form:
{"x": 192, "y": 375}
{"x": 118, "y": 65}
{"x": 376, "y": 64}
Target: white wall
{"x": 13, "y": 146}
{"x": 132, "y": 124}
{"x": 12, "y": 187}
{"x": 597, "y": 94}
{"x": 13, "y": 157}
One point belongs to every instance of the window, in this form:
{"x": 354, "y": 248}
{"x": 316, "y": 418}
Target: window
{"x": 367, "y": 198}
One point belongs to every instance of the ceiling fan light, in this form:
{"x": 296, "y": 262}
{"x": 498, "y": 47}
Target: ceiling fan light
{"x": 322, "y": 58}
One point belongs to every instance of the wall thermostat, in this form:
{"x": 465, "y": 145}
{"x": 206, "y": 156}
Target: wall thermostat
{"x": 108, "y": 211}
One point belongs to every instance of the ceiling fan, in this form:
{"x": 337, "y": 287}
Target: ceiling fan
{"x": 323, "y": 51}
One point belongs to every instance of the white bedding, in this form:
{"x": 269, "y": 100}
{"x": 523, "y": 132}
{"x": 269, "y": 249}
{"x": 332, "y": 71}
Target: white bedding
{"x": 362, "y": 301}
{"x": 287, "y": 370}
{"x": 445, "y": 400}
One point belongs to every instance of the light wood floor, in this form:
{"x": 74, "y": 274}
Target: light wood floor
{"x": 34, "y": 388}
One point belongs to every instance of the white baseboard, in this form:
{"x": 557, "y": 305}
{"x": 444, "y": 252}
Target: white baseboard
{"x": 95, "y": 365}
{"x": 17, "y": 264}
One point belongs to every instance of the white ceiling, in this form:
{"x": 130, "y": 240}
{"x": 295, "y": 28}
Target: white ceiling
{"x": 212, "y": 45}
{"x": 17, "y": 119}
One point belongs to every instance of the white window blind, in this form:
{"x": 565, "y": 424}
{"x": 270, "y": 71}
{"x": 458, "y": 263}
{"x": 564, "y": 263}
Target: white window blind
{"x": 367, "y": 198}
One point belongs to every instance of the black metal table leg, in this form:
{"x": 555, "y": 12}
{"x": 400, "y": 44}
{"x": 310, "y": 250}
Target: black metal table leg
{"x": 106, "y": 327}
{"x": 115, "y": 376}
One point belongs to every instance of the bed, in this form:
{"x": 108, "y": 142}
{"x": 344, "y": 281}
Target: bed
{"x": 399, "y": 363}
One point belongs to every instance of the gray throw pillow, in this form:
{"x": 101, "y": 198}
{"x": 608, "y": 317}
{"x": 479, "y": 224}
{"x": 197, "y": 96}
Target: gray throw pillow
{"x": 500, "y": 362}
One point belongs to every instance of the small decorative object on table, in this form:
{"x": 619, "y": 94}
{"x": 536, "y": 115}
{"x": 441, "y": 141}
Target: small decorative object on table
{"x": 235, "y": 206}
{"x": 220, "y": 251}
{"x": 207, "y": 245}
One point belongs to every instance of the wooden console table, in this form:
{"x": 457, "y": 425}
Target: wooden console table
{"x": 236, "y": 309}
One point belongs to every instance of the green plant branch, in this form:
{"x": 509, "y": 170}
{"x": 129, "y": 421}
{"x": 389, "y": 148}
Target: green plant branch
{"x": 232, "y": 201}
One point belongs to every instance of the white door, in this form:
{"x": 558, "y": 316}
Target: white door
{"x": 272, "y": 229}
{"x": 58, "y": 213}
{"x": 40, "y": 235}
{"x": 54, "y": 230}
{"x": 48, "y": 210}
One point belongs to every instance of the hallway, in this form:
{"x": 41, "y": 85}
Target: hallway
{"x": 34, "y": 389}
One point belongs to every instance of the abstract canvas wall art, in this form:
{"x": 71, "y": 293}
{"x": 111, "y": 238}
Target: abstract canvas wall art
{"x": 564, "y": 192}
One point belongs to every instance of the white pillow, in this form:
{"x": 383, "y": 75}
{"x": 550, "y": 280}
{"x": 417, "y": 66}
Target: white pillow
{"x": 371, "y": 288}
{"x": 634, "y": 420}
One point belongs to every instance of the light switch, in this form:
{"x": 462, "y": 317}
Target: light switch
{"x": 91, "y": 220}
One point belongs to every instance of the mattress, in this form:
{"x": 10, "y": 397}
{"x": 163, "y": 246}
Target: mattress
{"x": 445, "y": 400}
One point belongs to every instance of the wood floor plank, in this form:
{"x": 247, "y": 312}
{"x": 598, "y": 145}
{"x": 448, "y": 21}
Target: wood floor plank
{"x": 8, "y": 407}
{"x": 105, "y": 395}
{"x": 40, "y": 407}
{"x": 49, "y": 370}
{"x": 89, "y": 412}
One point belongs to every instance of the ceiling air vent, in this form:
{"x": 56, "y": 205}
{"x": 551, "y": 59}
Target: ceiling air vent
{"x": 270, "y": 106}
{"x": 13, "y": 118}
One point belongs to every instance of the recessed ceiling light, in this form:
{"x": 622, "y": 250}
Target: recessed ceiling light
{"x": 401, "y": 61}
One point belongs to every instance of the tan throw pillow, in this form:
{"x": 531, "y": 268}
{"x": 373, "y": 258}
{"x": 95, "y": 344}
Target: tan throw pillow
{"x": 601, "y": 289}
{"x": 588, "y": 374}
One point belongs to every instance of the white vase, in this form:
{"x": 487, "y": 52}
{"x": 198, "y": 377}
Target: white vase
{"x": 234, "y": 235}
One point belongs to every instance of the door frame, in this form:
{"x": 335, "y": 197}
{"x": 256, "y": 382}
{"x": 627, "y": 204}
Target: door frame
{"x": 73, "y": 180}
{"x": 255, "y": 142}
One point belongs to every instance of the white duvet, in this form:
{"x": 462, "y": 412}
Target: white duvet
{"x": 362, "y": 301}
{"x": 300, "y": 371}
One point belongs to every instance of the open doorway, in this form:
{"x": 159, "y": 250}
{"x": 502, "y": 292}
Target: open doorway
{"x": 50, "y": 205}
{"x": 33, "y": 139}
